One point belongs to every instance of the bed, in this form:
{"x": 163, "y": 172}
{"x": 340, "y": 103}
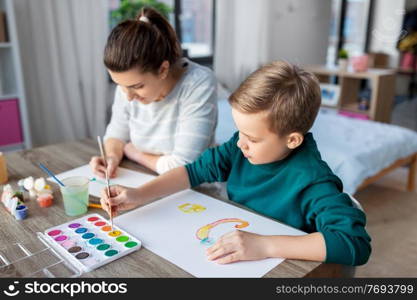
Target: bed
{"x": 358, "y": 151}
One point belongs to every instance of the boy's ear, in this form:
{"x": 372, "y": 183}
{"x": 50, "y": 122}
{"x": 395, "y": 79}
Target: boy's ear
{"x": 294, "y": 140}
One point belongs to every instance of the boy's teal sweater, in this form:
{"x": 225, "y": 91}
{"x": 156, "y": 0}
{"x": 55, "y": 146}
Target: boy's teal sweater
{"x": 299, "y": 190}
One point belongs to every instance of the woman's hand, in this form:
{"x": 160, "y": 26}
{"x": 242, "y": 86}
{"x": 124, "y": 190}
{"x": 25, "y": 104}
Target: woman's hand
{"x": 121, "y": 198}
{"x": 97, "y": 164}
{"x": 238, "y": 245}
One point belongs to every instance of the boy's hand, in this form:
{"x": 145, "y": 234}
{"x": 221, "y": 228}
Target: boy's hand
{"x": 238, "y": 245}
{"x": 98, "y": 166}
{"x": 121, "y": 198}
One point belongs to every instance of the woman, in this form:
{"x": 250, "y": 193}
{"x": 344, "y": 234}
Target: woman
{"x": 165, "y": 108}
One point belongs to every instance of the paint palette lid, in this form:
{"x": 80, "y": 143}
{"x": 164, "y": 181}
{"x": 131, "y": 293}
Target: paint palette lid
{"x": 34, "y": 258}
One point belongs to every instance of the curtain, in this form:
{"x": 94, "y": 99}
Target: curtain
{"x": 241, "y": 39}
{"x": 66, "y": 85}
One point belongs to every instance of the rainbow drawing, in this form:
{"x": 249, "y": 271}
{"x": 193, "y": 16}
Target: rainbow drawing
{"x": 203, "y": 232}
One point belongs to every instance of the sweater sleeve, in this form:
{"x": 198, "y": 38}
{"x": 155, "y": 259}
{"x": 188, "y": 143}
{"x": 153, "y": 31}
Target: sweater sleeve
{"x": 214, "y": 164}
{"x": 119, "y": 123}
{"x": 196, "y": 126}
{"x": 331, "y": 212}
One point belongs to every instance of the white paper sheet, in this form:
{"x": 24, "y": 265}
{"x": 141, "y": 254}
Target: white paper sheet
{"x": 124, "y": 177}
{"x": 172, "y": 234}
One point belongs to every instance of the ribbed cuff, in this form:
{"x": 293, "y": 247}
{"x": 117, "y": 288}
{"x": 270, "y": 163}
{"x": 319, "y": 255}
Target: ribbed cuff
{"x": 337, "y": 249}
{"x": 192, "y": 175}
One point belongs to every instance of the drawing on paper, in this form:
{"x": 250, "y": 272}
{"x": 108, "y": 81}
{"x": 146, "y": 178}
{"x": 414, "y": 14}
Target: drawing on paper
{"x": 203, "y": 232}
{"x": 191, "y": 208}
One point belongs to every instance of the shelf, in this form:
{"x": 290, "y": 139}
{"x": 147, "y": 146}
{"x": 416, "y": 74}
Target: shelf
{"x": 382, "y": 82}
{"x": 335, "y": 71}
{"x": 13, "y": 147}
{"x": 405, "y": 71}
{"x": 329, "y": 106}
{"x": 353, "y": 107}
{"x": 11, "y": 82}
{"x": 9, "y": 96}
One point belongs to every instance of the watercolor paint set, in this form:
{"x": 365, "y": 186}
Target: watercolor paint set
{"x": 89, "y": 241}
{"x": 68, "y": 250}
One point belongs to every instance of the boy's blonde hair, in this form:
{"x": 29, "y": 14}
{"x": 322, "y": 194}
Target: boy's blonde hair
{"x": 291, "y": 96}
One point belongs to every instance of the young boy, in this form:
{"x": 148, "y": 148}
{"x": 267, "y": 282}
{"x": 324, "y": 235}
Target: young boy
{"x": 272, "y": 165}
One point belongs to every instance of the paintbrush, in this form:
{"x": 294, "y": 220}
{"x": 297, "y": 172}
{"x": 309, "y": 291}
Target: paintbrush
{"x": 49, "y": 172}
{"x": 103, "y": 155}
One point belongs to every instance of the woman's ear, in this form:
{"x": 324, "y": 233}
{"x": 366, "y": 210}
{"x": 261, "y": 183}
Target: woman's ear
{"x": 164, "y": 70}
{"x": 294, "y": 140}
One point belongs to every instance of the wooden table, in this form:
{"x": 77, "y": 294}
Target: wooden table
{"x": 143, "y": 263}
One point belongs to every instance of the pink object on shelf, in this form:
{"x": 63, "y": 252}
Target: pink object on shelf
{"x": 360, "y": 63}
{"x": 11, "y": 129}
{"x": 407, "y": 61}
{"x": 351, "y": 114}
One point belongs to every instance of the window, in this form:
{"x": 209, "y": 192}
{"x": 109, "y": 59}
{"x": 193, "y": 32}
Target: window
{"x": 196, "y": 23}
{"x": 356, "y": 26}
{"x": 334, "y": 32}
{"x": 349, "y": 27}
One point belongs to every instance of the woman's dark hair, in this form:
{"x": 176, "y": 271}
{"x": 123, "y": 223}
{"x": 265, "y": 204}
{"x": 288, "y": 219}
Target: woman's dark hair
{"x": 144, "y": 42}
